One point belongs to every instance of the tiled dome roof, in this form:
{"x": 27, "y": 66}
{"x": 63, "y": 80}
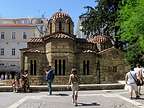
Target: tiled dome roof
{"x": 99, "y": 39}
{"x": 60, "y": 15}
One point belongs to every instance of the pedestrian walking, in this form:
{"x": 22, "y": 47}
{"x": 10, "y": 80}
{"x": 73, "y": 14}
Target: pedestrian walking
{"x": 130, "y": 80}
{"x": 49, "y": 78}
{"x": 138, "y": 71}
{"x": 74, "y": 81}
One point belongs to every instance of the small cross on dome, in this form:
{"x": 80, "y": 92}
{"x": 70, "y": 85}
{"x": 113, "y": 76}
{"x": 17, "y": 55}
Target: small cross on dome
{"x": 60, "y": 10}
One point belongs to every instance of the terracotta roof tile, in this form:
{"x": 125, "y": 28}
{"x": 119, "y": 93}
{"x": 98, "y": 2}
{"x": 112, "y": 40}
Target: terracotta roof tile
{"x": 36, "y": 40}
{"x": 99, "y": 39}
{"x": 60, "y": 15}
{"x": 30, "y": 50}
{"x": 60, "y": 35}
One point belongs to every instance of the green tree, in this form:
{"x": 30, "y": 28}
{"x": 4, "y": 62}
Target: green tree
{"x": 101, "y": 19}
{"x": 131, "y": 23}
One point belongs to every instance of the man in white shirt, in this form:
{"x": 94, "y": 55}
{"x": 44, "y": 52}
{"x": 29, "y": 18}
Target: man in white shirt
{"x": 130, "y": 79}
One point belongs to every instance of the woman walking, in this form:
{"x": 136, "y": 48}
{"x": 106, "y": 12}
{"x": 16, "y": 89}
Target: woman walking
{"x": 138, "y": 71}
{"x": 74, "y": 81}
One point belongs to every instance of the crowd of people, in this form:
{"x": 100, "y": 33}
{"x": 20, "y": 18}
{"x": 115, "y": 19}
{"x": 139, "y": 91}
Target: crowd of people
{"x": 134, "y": 81}
{"x": 21, "y": 82}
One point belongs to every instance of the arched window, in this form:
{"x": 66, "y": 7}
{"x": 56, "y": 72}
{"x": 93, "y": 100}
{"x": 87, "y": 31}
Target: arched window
{"x": 63, "y": 67}
{"x": 56, "y": 67}
{"x": 69, "y": 27}
{"x": 60, "y": 26}
{"x": 34, "y": 73}
{"x": 50, "y": 28}
{"x": 86, "y": 67}
{"x": 60, "y": 67}
{"x": 33, "y": 66}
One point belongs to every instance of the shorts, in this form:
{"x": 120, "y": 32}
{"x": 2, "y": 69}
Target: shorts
{"x": 75, "y": 87}
{"x": 132, "y": 87}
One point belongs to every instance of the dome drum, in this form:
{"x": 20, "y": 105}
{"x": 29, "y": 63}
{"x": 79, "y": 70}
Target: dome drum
{"x": 60, "y": 22}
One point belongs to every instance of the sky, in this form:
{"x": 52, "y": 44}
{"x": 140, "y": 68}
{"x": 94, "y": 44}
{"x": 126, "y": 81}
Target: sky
{"x": 35, "y": 8}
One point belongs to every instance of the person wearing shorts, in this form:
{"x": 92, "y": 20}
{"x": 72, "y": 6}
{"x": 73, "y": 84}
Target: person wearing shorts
{"x": 130, "y": 79}
{"x": 74, "y": 81}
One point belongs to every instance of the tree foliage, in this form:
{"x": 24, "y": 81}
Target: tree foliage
{"x": 131, "y": 22}
{"x": 101, "y": 19}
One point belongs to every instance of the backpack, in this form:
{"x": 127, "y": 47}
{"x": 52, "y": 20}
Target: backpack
{"x": 50, "y": 75}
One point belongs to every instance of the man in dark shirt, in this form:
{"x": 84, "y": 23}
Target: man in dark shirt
{"x": 49, "y": 78}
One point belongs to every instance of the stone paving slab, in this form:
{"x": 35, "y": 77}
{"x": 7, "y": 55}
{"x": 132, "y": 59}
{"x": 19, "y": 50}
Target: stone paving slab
{"x": 62, "y": 99}
{"x": 85, "y": 101}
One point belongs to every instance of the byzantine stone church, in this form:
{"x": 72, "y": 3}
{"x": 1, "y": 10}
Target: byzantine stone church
{"x": 96, "y": 59}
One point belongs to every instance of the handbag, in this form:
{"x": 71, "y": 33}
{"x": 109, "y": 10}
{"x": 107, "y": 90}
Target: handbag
{"x": 140, "y": 82}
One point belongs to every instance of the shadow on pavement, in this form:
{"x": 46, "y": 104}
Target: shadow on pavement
{"x": 141, "y": 98}
{"x": 88, "y": 104}
{"x": 61, "y": 94}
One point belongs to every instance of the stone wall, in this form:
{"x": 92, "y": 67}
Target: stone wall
{"x": 113, "y": 66}
{"x": 62, "y": 80}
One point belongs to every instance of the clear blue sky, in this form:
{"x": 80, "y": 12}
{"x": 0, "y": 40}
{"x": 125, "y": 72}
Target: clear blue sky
{"x": 35, "y": 8}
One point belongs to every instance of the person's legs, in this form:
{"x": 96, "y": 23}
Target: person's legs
{"x": 14, "y": 87}
{"x": 49, "y": 87}
{"x": 130, "y": 91}
{"x": 73, "y": 97}
{"x": 24, "y": 87}
{"x": 17, "y": 85}
{"x": 76, "y": 93}
{"x": 76, "y": 96}
{"x": 135, "y": 89}
{"x": 139, "y": 89}
{"x": 73, "y": 93}
{"x": 27, "y": 86}
{"x": 137, "y": 94}
{"x": 131, "y": 94}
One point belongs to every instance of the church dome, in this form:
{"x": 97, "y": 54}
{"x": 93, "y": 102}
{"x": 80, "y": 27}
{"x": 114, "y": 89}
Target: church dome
{"x": 99, "y": 39}
{"x": 60, "y": 22}
{"x": 60, "y": 14}
{"x": 102, "y": 42}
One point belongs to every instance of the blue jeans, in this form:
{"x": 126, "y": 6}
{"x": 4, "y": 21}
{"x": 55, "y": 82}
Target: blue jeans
{"x": 50, "y": 87}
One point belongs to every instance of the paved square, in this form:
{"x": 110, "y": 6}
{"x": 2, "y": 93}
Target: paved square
{"x": 62, "y": 99}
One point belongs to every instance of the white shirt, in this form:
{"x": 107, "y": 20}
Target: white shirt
{"x": 131, "y": 76}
